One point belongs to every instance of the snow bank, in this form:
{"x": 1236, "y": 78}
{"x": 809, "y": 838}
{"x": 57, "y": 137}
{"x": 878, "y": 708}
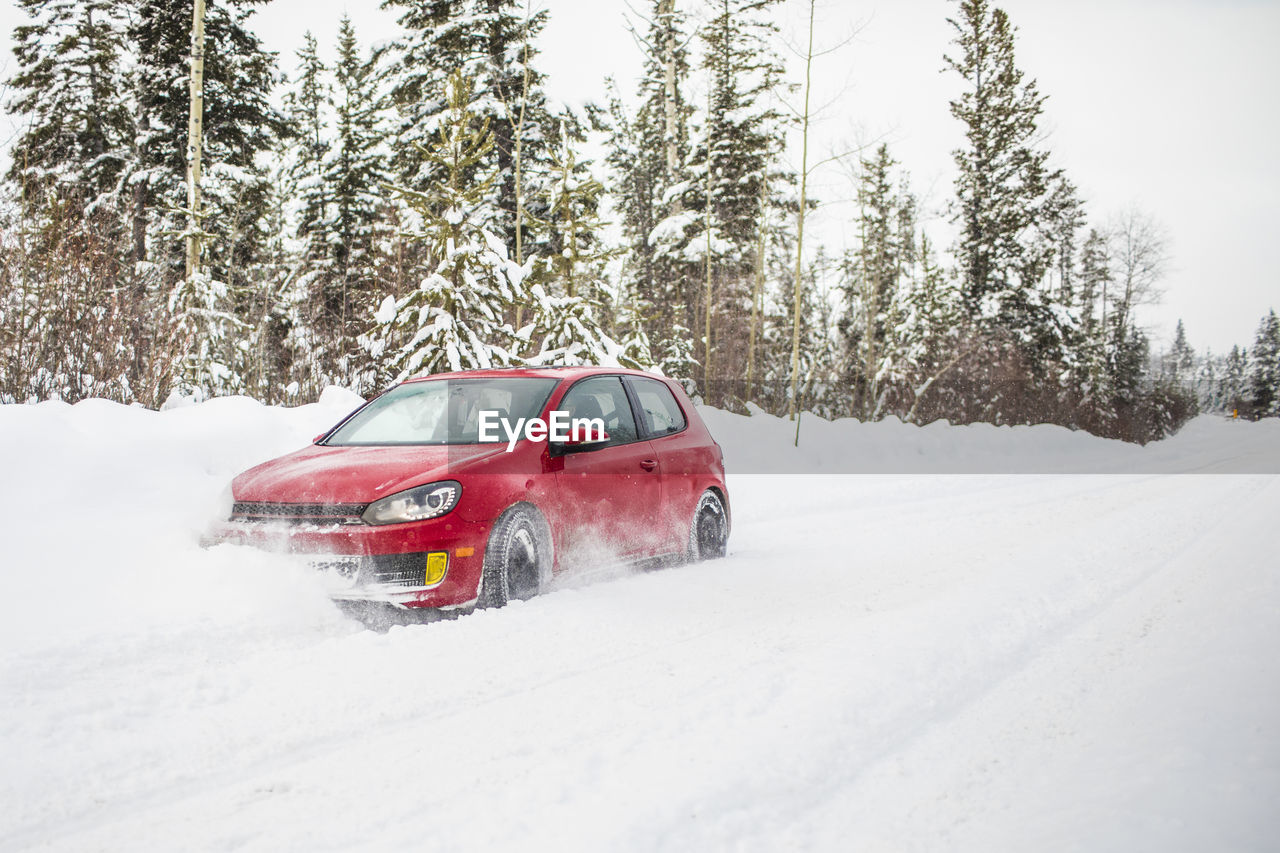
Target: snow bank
{"x": 103, "y": 506}
{"x": 763, "y": 444}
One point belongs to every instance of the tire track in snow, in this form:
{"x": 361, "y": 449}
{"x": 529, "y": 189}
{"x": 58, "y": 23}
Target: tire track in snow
{"x": 912, "y": 719}
{"x": 527, "y": 681}
{"x": 905, "y": 754}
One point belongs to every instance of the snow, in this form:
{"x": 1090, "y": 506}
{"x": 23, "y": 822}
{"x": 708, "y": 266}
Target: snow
{"x": 762, "y": 444}
{"x": 671, "y": 230}
{"x": 897, "y": 660}
{"x": 386, "y": 312}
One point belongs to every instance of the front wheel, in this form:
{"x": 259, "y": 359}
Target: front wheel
{"x": 516, "y": 559}
{"x": 709, "y": 535}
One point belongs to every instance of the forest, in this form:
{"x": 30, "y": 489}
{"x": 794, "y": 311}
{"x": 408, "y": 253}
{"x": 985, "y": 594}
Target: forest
{"x": 424, "y": 206}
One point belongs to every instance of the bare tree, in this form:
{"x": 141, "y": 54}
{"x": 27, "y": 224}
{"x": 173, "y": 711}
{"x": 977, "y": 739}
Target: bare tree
{"x": 804, "y": 117}
{"x": 1139, "y": 250}
{"x": 666, "y": 13}
{"x": 707, "y": 296}
{"x": 195, "y": 138}
{"x": 757, "y": 290}
{"x": 804, "y": 186}
{"x": 519, "y": 143}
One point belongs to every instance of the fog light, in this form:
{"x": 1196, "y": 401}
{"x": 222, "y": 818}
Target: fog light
{"x": 437, "y": 565}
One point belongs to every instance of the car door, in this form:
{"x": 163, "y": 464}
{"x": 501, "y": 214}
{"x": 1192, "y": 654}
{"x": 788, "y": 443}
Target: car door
{"x": 680, "y": 455}
{"x": 609, "y": 496}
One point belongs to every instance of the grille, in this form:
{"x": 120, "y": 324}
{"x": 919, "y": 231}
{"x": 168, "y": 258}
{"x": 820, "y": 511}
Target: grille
{"x": 297, "y": 513}
{"x": 395, "y": 569}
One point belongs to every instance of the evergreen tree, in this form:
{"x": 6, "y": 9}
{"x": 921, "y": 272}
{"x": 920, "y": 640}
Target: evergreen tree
{"x": 491, "y": 42}
{"x": 524, "y": 130}
{"x": 874, "y": 274}
{"x": 636, "y": 350}
{"x": 213, "y": 345}
{"x": 565, "y": 331}
{"x": 772, "y": 392}
{"x": 455, "y": 319}
{"x": 575, "y": 265}
{"x": 1090, "y": 307}
{"x": 930, "y": 340}
{"x": 648, "y": 157}
{"x": 1264, "y": 369}
{"x": 1130, "y": 366}
{"x": 1095, "y": 276}
{"x": 283, "y": 366}
{"x": 305, "y": 108}
{"x": 819, "y": 390}
{"x": 730, "y": 172}
{"x": 1234, "y": 382}
{"x": 1007, "y": 198}
{"x": 355, "y": 171}
{"x": 1182, "y": 358}
{"x": 744, "y": 132}
{"x": 566, "y": 327}
{"x": 240, "y": 124}
{"x": 415, "y": 71}
{"x": 677, "y": 355}
{"x": 301, "y": 172}
{"x": 1060, "y": 238}
{"x": 437, "y": 41}
{"x": 1208, "y": 386}
{"x": 71, "y": 92}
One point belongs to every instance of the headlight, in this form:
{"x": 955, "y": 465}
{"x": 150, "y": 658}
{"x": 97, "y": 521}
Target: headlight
{"x": 416, "y": 504}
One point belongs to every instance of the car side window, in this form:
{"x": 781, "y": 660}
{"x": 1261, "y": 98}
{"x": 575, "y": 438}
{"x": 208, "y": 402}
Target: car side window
{"x": 660, "y": 411}
{"x": 603, "y": 397}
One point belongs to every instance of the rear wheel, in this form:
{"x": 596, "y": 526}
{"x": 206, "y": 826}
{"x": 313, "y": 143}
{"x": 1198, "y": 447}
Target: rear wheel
{"x": 516, "y": 559}
{"x": 709, "y": 535}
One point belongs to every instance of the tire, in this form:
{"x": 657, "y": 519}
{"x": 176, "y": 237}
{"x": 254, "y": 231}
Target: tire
{"x": 517, "y": 558}
{"x": 709, "y": 533}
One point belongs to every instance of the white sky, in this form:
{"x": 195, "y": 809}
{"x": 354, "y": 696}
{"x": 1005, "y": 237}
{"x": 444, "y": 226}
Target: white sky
{"x": 1172, "y": 106}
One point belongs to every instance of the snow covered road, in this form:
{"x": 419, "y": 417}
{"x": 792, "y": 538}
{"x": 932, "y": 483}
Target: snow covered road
{"x": 883, "y": 662}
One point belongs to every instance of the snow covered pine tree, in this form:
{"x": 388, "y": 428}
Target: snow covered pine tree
{"x": 456, "y": 318}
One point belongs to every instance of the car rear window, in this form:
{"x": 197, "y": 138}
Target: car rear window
{"x": 661, "y": 413}
{"x": 442, "y": 411}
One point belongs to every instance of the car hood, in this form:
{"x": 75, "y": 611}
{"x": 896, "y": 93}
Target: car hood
{"x": 320, "y": 474}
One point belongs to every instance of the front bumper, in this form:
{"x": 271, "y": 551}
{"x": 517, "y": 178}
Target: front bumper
{"x": 386, "y": 563}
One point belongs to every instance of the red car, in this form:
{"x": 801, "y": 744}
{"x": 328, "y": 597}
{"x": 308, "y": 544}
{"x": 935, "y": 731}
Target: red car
{"x": 472, "y": 488}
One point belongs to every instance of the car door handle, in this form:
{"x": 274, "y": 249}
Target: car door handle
{"x": 649, "y": 464}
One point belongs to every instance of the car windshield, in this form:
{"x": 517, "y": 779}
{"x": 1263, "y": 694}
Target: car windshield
{"x": 442, "y": 411}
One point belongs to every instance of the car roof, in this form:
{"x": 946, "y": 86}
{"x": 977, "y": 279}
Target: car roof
{"x": 571, "y": 373}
